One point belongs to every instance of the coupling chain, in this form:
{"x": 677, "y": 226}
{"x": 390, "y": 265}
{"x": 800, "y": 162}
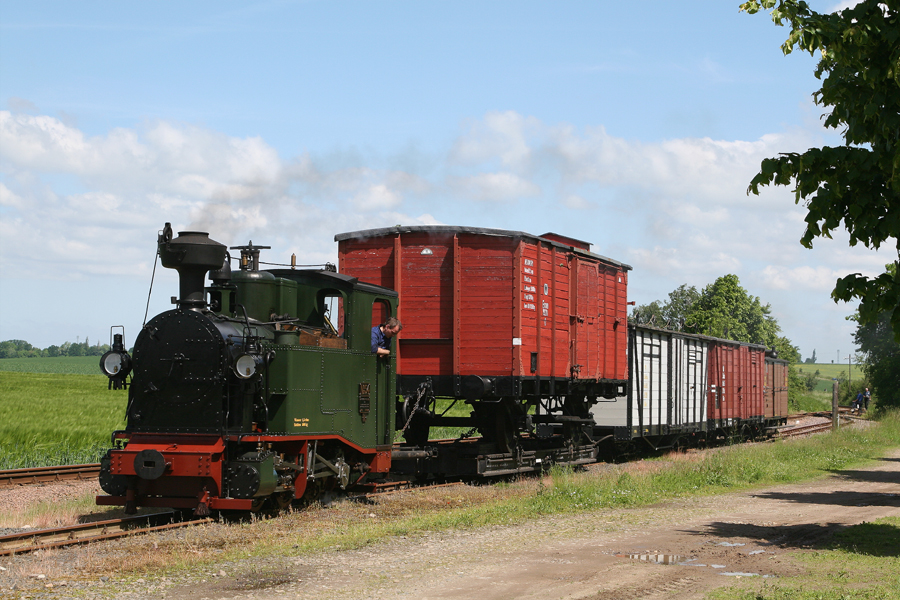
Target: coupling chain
{"x": 416, "y": 406}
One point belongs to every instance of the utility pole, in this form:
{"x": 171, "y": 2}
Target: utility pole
{"x": 850, "y": 371}
{"x": 835, "y": 419}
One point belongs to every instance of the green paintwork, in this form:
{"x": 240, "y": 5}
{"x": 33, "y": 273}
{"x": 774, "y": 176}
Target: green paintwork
{"x": 315, "y": 391}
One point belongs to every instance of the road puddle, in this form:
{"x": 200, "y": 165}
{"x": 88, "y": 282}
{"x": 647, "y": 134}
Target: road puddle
{"x": 677, "y": 559}
{"x": 660, "y": 559}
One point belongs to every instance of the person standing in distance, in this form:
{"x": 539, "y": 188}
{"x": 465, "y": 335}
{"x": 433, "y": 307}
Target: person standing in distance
{"x": 382, "y": 334}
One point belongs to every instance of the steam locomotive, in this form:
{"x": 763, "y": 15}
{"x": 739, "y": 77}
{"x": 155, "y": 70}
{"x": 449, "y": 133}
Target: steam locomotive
{"x": 262, "y": 388}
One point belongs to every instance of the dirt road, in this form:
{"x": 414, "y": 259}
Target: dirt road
{"x": 589, "y": 556}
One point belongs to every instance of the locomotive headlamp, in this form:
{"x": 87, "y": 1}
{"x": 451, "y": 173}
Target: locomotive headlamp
{"x": 112, "y": 363}
{"x": 116, "y": 364}
{"x": 247, "y": 365}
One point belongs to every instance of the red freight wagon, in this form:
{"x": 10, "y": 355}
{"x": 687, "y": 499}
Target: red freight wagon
{"x": 776, "y": 389}
{"x": 494, "y": 313}
{"x": 736, "y": 382}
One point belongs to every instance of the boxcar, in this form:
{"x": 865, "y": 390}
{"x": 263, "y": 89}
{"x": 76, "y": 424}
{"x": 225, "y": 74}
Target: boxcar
{"x": 776, "y": 391}
{"x": 492, "y": 313}
{"x": 666, "y": 400}
{"x": 736, "y": 388}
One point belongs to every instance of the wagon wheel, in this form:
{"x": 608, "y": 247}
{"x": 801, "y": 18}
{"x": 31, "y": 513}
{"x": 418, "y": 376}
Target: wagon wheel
{"x": 505, "y": 428}
{"x": 416, "y": 423}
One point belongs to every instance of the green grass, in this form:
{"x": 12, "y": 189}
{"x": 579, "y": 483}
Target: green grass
{"x": 861, "y": 562}
{"x": 830, "y": 371}
{"x": 72, "y": 365}
{"x": 727, "y": 469}
{"x": 815, "y": 401}
{"x": 52, "y": 419}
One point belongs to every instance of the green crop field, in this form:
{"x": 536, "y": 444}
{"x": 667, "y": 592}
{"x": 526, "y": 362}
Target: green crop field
{"x": 61, "y": 365}
{"x": 829, "y": 371}
{"x": 53, "y": 418}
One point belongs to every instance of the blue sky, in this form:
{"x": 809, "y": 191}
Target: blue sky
{"x": 634, "y": 126}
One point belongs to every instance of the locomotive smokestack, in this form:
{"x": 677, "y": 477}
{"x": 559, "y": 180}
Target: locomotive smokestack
{"x": 192, "y": 254}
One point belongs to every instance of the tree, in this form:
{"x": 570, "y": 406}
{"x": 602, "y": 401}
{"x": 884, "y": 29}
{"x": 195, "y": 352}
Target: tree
{"x": 857, "y": 183}
{"x": 725, "y": 309}
{"x": 882, "y": 356}
{"x": 648, "y": 314}
{"x": 681, "y": 300}
{"x": 670, "y": 315}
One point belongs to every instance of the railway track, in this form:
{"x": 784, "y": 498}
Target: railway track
{"x": 805, "y": 430}
{"x": 110, "y": 529}
{"x": 12, "y": 477}
{"x": 91, "y": 532}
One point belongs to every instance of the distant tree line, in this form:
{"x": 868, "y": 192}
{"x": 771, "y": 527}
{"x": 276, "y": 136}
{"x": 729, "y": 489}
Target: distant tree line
{"x": 22, "y": 349}
{"x": 723, "y": 309}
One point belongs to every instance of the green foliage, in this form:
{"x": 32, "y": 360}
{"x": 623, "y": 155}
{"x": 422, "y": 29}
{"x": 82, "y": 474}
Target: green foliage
{"x": 671, "y": 314}
{"x": 816, "y": 401}
{"x": 22, "y": 349}
{"x": 809, "y": 381}
{"x": 857, "y": 184}
{"x": 49, "y": 419}
{"x": 725, "y": 310}
{"x": 882, "y": 356}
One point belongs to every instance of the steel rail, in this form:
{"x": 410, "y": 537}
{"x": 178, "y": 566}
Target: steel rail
{"x": 12, "y": 477}
{"x": 806, "y": 430}
{"x": 83, "y": 533}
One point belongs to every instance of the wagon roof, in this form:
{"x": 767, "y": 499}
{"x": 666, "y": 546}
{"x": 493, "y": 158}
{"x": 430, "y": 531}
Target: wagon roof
{"x": 452, "y": 229}
{"x": 698, "y": 336}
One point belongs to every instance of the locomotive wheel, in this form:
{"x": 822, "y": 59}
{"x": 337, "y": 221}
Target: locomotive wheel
{"x": 313, "y": 491}
{"x": 283, "y": 500}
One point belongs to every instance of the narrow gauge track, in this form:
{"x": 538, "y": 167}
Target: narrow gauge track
{"x": 808, "y": 429}
{"x": 12, "y": 477}
{"x": 84, "y": 533}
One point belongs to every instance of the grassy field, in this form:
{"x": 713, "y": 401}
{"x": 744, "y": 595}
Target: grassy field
{"x": 61, "y": 365}
{"x": 53, "y": 419}
{"x": 828, "y": 372}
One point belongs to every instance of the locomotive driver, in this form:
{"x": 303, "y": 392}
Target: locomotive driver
{"x": 382, "y": 334}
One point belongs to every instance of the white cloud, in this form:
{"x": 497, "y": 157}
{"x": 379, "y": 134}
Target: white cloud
{"x": 495, "y": 187}
{"x": 576, "y": 202}
{"x": 10, "y": 199}
{"x": 820, "y": 279}
{"x": 498, "y": 136}
{"x": 99, "y": 200}
{"x": 75, "y": 206}
{"x": 376, "y": 197}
